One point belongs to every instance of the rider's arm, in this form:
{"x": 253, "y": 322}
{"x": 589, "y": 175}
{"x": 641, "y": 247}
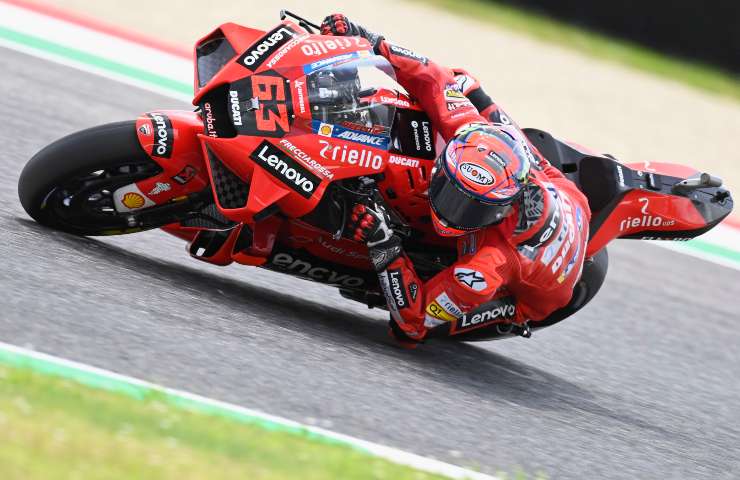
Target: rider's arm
{"x": 433, "y": 86}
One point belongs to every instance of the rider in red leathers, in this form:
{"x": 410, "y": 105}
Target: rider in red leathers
{"x": 522, "y": 227}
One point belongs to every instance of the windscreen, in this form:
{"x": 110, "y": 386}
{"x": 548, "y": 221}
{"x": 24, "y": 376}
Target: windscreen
{"x": 343, "y": 95}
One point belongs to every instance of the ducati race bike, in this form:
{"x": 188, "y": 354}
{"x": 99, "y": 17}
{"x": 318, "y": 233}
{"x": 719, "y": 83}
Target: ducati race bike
{"x": 291, "y": 129}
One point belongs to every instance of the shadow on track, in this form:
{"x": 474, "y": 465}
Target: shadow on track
{"x": 466, "y": 367}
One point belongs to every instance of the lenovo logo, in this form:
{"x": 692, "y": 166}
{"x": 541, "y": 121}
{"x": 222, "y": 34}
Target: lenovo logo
{"x": 266, "y": 46}
{"x": 284, "y": 168}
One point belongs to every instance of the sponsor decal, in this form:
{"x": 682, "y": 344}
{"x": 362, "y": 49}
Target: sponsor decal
{"x": 361, "y": 157}
{"x": 133, "y": 200}
{"x": 672, "y": 239}
{"x": 435, "y": 310}
{"x": 448, "y": 305}
{"x": 281, "y": 166}
{"x": 453, "y": 94}
{"x": 364, "y": 138}
{"x": 452, "y": 106}
{"x": 312, "y": 67}
{"x": 286, "y": 262}
{"x": 301, "y": 96}
{"x": 398, "y": 102}
{"x": 472, "y": 279}
{"x": 210, "y": 120}
{"x": 325, "y": 130}
{"x": 405, "y": 52}
{"x": 568, "y": 268}
{"x": 335, "y": 249}
{"x": 385, "y": 287}
{"x": 645, "y": 220}
{"x": 413, "y": 290}
{"x": 288, "y": 47}
{"x": 422, "y": 131}
{"x": 163, "y": 135}
{"x": 160, "y": 187}
{"x": 571, "y": 235}
{"x": 272, "y": 93}
{"x": 620, "y": 175}
{"x": 306, "y": 159}
{"x": 398, "y": 288}
{"x": 403, "y": 161}
{"x": 476, "y": 174}
{"x": 315, "y": 48}
{"x": 236, "y": 111}
{"x": 185, "y": 175}
{"x": 496, "y": 311}
{"x": 145, "y": 129}
{"x": 579, "y": 218}
{"x": 374, "y": 129}
{"x": 263, "y": 48}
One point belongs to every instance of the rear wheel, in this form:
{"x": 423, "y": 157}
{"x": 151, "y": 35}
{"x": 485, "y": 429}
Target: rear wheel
{"x": 69, "y": 184}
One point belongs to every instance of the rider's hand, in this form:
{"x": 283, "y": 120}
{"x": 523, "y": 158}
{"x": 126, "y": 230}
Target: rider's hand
{"x": 339, "y": 25}
{"x": 369, "y": 224}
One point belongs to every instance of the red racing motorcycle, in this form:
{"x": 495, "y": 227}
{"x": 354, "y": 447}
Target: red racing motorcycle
{"x": 290, "y": 129}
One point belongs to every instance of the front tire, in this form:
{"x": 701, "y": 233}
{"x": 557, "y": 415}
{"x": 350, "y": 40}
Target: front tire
{"x": 69, "y": 184}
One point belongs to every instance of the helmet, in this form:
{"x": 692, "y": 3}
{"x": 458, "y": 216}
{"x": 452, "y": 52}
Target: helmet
{"x": 478, "y": 178}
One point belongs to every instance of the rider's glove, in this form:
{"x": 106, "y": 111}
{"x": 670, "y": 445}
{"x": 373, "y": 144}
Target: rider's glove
{"x": 339, "y": 25}
{"x": 369, "y": 224}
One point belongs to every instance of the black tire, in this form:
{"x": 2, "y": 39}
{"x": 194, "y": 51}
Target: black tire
{"x": 113, "y": 147}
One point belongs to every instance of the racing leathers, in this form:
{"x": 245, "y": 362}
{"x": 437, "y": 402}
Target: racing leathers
{"x": 521, "y": 269}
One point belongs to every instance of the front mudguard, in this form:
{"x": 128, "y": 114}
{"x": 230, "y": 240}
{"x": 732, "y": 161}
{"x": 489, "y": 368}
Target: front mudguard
{"x": 170, "y": 138}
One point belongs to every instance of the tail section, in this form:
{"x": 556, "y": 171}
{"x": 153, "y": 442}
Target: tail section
{"x": 650, "y": 201}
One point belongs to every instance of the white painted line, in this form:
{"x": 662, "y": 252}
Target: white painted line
{"x": 49, "y": 364}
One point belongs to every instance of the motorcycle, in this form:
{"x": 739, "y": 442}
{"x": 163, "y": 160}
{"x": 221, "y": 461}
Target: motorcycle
{"x": 291, "y": 128}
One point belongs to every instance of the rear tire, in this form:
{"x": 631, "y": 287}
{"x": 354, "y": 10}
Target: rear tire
{"x": 73, "y": 164}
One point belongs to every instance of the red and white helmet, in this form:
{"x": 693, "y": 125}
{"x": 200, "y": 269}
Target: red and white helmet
{"x": 478, "y": 178}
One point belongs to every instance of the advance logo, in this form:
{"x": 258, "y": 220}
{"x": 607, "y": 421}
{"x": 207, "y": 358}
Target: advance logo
{"x": 284, "y": 168}
{"x": 263, "y": 48}
{"x": 163, "y": 135}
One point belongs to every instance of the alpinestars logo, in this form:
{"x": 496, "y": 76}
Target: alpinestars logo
{"x": 398, "y": 290}
{"x": 471, "y": 279}
{"x": 405, "y": 52}
{"x": 278, "y": 164}
{"x": 263, "y": 49}
{"x": 163, "y": 135}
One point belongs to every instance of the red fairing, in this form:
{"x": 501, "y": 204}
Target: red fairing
{"x": 170, "y": 138}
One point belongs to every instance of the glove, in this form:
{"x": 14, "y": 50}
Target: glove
{"x": 369, "y": 224}
{"x": 340, "y": 26}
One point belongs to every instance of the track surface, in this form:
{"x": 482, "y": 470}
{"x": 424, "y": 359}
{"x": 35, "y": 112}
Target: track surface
{"x": 643, "y": 384}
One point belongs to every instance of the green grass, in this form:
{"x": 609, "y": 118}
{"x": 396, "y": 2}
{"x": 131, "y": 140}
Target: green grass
{"x": 701, "y": 76}
{"x": 52, "y": 428}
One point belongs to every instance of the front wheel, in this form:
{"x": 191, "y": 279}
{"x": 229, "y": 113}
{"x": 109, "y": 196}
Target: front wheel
{"x": 69, "y": 184}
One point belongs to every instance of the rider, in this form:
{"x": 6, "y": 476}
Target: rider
{"x": 522, "y": 227}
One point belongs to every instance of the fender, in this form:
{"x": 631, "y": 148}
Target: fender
{"x": 170, "y": 138}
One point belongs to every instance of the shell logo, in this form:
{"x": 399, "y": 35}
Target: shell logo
{"x": 133, "y": 200}
{"x": 325, "y": 130}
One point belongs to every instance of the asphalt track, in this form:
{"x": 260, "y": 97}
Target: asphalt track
{"x": 644, "y": 383}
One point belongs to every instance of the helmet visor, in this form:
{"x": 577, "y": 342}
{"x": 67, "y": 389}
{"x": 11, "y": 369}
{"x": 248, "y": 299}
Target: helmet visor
{"x": 460, "y": 210}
